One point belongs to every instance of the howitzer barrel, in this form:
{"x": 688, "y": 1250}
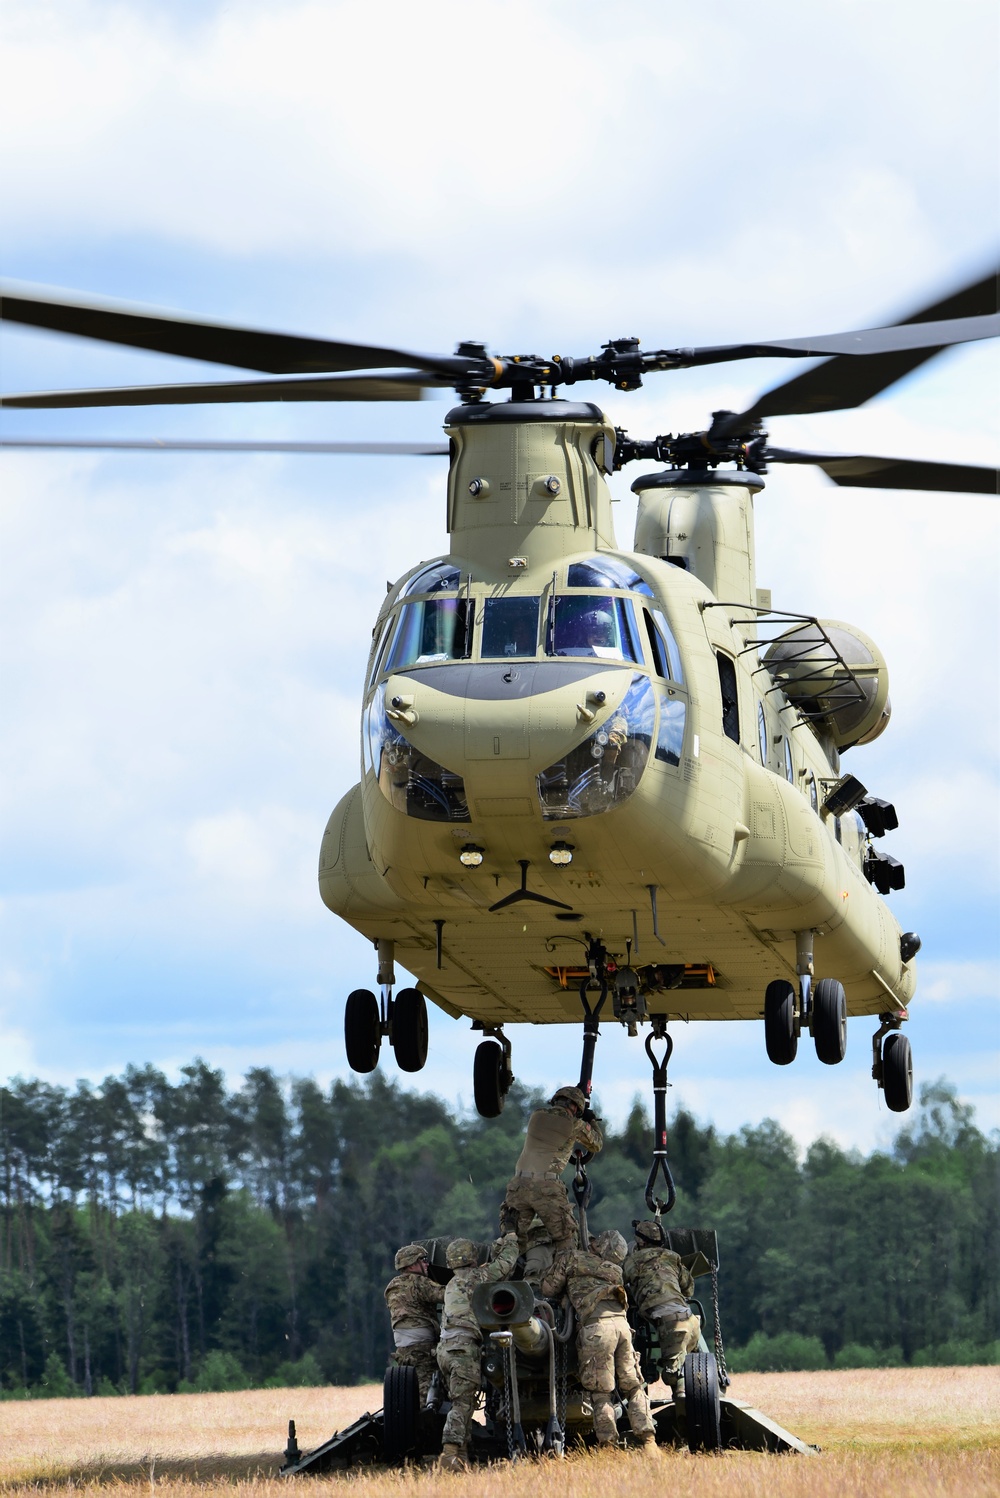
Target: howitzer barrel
{"x": 510, "y": 1306}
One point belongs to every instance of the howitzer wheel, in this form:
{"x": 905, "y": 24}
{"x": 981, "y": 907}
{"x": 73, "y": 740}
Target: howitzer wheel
{"x": 400, "y": 1414}
{"x": 702, "y": 1411}
{"x": 897, "y": 1073}
{"x": 362, "y": 1030}
{"x": 409, "y": 1029}
{"x": 829, "y": 1021}
{"x": 779, "y": 1022}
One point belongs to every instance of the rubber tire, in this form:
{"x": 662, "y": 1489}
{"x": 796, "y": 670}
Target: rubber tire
{"x": 489, "y": 1075}
{"x": 409, "y": 1029}
{"x": 897, "y": 1073}
{"x": 702, "y": 1410}
{"x": 400, "y": 1415}
{"x": 779, "y": 1022}
{"x": 829, "y": 1021}
{"x": 362, "y": 1030}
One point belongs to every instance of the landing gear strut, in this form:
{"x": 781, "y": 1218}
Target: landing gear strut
{"x": 892, "y": 1062}
{"x": 491, "y": 1072}
{"x": 820, "y": 1009}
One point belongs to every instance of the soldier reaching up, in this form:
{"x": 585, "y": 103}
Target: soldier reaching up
{"x": 414, "y": 1303}
{"x": 461, "y": 1339}
{"x": 593, "y": 1282}
{"x": 536, "y": 1185}
{"x": 660, "y": 1287}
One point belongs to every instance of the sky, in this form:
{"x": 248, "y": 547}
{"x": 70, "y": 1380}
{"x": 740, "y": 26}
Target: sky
{"x": 184, "y": 636}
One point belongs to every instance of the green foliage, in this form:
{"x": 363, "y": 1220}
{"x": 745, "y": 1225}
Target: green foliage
{"x": 161, "y": 1237}
{"x": 764, "y": 1354}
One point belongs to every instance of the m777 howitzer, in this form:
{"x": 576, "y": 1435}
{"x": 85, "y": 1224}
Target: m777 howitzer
{"x": 532, "y": 1398}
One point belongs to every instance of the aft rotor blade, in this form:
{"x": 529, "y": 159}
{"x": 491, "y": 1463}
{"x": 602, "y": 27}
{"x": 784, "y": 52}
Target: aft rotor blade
{"x": 215, "y": 343}
{"x": 401, "y": 387}
{"x": 842, "y": 383}
{"x": 858, "y": 471}
{"x": 865, "y": 341}
{"x": 193, "y": 445}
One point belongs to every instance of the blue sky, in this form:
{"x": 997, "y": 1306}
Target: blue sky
{"x": 184, "y": 637}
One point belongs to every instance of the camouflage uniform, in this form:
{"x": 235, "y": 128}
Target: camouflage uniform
{"x": 414, "y": 1304}
{"x": 603, "y": 1340}
{"x": 659, "y": 1287}
{"x": 536, "y": 1186}
{"x": 458, "y": 1353}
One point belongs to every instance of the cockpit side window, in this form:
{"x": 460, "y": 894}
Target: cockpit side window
{"x": 434, "y": 630}
{"x": 593, "y": 625}
{"x": 439, "y": 577}
{"x": 510, "y": 628}
{"x": 666, "y": 656}
{"x": 606, "y": 572}
{"x": 730, "y": 697}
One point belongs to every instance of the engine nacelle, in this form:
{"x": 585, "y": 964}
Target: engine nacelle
{"x": 836, "y": 676}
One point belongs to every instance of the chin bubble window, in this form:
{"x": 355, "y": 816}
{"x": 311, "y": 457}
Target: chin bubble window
{"x": 409, "y": 780}
{"x": 595, "y": 626}
{"x": 510, "y": 628}
{"x": 435, "y": 630}
{"x": 604, "y": 770}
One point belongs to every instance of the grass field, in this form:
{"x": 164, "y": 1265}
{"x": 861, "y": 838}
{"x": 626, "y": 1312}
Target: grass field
{"x": 923, "y": 1432}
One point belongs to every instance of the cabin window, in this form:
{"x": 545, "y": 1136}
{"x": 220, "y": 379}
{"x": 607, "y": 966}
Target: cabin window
{"x": 410, "y": 781}
{"x": 606, "y": 572}
{"x": 510, "y": 628}
{"x": 440, "y": 577}
{"x": 813, "y": 792}
{"x": 730, "y": 698}
{"x": 594, "y": 625}
{"x": 789, "y": 765}
{"x": 666, "y": 655}
{"x": 436, "y": 630}
{"x": 762, "y": 733}
{"x": 604, "y": 770}
{"x": 670, "y": 733}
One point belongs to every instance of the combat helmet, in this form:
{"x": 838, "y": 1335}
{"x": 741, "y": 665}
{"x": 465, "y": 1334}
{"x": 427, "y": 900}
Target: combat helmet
{"x": 570, "y": 1095}
{"x": 410, "y": 1253}
{"x": 611, "y": 1245}
{"x": 461, "y": 1253}
{"x": 649, "y": 1232}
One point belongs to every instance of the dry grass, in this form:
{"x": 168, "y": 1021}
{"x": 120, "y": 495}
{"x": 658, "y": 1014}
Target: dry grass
{"x": 922, "y": 1433}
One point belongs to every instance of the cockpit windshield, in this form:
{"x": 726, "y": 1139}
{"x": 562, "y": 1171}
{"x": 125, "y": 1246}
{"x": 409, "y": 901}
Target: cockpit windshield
{"x": 435, "y": 630}
{"x": 439, "y": 577}
{"x": 594, "y": 625}
{"x": 606, "y": 572}
{"x": 510, "y": 627}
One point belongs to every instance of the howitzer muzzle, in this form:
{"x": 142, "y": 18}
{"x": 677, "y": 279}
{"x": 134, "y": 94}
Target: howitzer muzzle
{"x": 510, "y": 1306}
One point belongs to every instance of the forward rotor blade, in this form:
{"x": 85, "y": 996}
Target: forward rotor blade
{"x": 857, "y": 471}
{"x": 193, "y": 445}
{"x": 401, "y": 387}
{"x": 843, "y": 383}
{"x": 215, "y": 343}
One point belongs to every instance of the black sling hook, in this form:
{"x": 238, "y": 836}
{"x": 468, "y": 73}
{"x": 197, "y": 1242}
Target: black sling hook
{"x": 659, "y": 1164}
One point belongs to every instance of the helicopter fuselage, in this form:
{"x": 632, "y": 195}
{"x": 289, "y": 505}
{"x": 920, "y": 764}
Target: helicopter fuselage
{"x": 546, "y": 714}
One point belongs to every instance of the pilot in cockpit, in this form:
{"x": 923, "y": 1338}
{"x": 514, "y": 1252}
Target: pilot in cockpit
{"x": 590, "y": 632}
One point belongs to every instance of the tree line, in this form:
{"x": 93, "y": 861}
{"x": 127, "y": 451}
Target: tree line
{"x": 157, "y": 1236}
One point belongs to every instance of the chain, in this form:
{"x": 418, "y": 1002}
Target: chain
{"x": 508, "y": 1405}
{"x": 562, "y": 1368}
{"x": 720, "y": 1356}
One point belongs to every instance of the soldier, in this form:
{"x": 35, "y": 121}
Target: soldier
{"x": 414, "y": 1303}
{"x": 593, "y": 1282}
{"x": 536, "y": 1186}
{"x": 461, "y": 1339}
{"x": 660, "y": 1287}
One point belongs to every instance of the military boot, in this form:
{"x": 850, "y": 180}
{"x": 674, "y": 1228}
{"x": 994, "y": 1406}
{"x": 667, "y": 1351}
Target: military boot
{"x": 452, "y": 1458}
{"x": 649, "y": 1448}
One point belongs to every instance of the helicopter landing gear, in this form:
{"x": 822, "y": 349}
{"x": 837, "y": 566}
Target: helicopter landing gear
{"x": 408, "y": 1029}
{"x": 781, "y": 1031}
{"x": 829, "y": 1021}
{"x": 892, "y": 1064}
{"x": 402, "y": 1019}
{"x": 362, "y": 1030}
{"x": 491, "y": 1072}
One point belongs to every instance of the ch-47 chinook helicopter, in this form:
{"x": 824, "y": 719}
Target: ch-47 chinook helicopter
{"x": 589, "y": 772}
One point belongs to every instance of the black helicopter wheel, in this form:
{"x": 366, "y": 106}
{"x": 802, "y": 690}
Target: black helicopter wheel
{"x": 409, "y": 1029}
{"x": 400, "y": 1414}
{"x": 702, "y": 1410}
{"x": 490, "y": 1079}
{"x": 897, "y": 1073}
{"x": 779, "y": 1022}
{"x": 362, "y": 1030}
{"x": 829, "y": 1021}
